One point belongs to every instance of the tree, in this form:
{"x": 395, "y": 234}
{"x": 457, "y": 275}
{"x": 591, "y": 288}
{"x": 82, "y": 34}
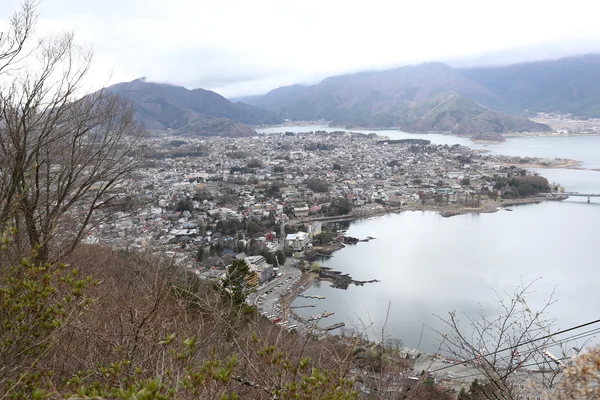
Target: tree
{"x": 252, "y": 228}
{"x": 280, "y": 257}
{"x": 184, "y": 205}
{"x": 233, "y": 286}
{"x": 582, "y": 378}
{"x": 478, "y": 391}
{"x": 317, "y": 185}
{"x": 323, "y": 238}
{"x": 465, "y": 181}
{"x": 61, "y": 150}
{"x": 255, "y": 163}
{"x": 339, "y": 206}
{"x": 200, "y": 253}
{"x": 498, "y": 346}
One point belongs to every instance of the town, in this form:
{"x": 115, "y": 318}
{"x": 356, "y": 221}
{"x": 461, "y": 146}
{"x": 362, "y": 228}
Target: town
{"x": 204, "y": 202}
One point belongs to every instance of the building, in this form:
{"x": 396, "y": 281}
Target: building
{"x": 314, "y": 229}
{"x": 301, "y": 212}
{"x": 297, "y": 241}
{"x": 259, "y": 265}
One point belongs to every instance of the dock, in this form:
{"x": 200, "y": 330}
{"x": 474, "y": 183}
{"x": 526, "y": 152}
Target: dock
{"x": 312, "y": 296}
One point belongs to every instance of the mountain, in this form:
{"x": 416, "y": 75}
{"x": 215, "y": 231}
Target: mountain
{"x": 450, "y": 113}
{"x": 568, "y": 85}
{"x": 198, "y": 111}
{"x": 426, "y": 97}
{"x": 347, "y": 97}
{"x": 397, "y": 97}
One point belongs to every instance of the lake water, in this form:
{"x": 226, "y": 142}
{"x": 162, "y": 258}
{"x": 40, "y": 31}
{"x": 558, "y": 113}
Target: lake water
{"x": 430, "y": 265}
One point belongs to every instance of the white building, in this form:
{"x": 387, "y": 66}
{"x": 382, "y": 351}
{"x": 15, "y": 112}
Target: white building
{"x": 301, "y": 212}
{"x": 314, "y": 229}
{"x": 298, "y": 241}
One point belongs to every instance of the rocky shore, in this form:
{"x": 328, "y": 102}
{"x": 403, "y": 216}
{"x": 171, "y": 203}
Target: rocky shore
{"x": 339, "y": 280}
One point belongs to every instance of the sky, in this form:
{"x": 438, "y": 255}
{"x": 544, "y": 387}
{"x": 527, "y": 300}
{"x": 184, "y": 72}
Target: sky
{"x": 245, "y": 47}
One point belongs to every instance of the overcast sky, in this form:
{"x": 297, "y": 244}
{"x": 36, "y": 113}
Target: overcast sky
{"x": 241, "y": 47}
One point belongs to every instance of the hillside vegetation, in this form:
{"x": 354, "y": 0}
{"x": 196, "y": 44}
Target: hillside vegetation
{"x": 124, "y": 325}
{"x": 568, "y": 85}
{"x": 198, "y": 112}
{"x": 393, "y": 97}
{"x": 446, "y": 113}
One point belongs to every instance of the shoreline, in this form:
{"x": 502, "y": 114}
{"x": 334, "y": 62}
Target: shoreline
{"x": 445, "y": 133}
{"x": 566, "y": 164}
{"x": 489, "y": 207}
{"x": 308, "y": 278}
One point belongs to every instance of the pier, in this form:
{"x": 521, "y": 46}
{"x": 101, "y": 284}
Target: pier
{"x": 304, "y": 306}
{"x": 319, "y": 297}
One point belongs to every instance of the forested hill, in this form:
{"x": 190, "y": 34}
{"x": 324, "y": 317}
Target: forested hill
{"x": 569, "y": 85}
{"x": 198, "y": 111}
{"x": 390, "y": 97}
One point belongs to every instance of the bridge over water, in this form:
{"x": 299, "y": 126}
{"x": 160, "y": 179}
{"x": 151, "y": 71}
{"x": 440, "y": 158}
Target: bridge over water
{"x": 576, "y": 194}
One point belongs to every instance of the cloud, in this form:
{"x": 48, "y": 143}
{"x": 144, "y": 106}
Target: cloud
{"x": 241, "y": 47}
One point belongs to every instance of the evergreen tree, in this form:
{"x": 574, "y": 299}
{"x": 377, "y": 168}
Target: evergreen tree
{"x": 234, "y": 284}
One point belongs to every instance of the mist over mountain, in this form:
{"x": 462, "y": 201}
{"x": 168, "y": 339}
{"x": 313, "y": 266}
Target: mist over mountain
{"x": 567, "y": 85}
{"x": 198, "y": 111}
{"x": 434, "y": 96}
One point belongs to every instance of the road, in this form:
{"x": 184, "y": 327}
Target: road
{"x": 269, "y": 293}
{"x": 267, "y": 297}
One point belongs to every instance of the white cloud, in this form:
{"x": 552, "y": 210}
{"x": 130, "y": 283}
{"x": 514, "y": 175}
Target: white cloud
{"x": 242, "y": 47}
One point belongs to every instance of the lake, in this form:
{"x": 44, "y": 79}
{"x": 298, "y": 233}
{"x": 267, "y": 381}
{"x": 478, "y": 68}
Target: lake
{"x": 427, "y": 265}
{"x": 430, "y": 265}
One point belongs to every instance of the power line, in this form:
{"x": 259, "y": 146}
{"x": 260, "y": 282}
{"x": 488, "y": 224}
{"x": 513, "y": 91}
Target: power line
{"x": 521, "y": 344}
{"x": 523, "y": 366}
{"x": 529, "y": 352}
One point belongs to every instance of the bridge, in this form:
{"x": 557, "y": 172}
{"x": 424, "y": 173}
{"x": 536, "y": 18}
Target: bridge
{"x": 575, "y": 194}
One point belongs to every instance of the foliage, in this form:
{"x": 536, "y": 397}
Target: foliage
{"x": 38, "y": 300}
{"x": 274, "y": 190}
{"x": 62, "y": 150}
{"x": 255, "y": 163}
{"x": 317, "y": 185}
{"x": 280, "y": 257}
{"x": 184, "y": 205}
{"x": 522, "y": 186}
{"x": 228, "y": 226}
{"x": 489, "y": 342}
{"x": 581, "y": 379}
{"x": 290, "y": 229}
{"x": 478, "y": 391}
{"x": 252, "y": 228}
{"x": 233, "y": 286}
{"x": 339, "y": 206}
{"x": 323, "y": 238}
{"x": 319, "y": 146}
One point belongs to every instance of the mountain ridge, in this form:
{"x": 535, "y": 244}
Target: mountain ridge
{"x": 162, "y": 106}
{"x": 385, "y": 98}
